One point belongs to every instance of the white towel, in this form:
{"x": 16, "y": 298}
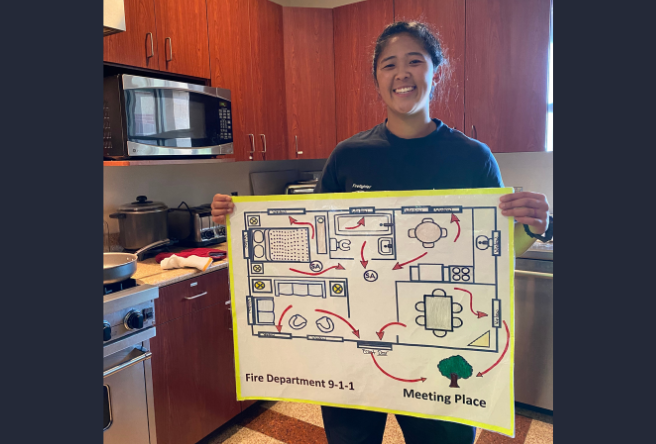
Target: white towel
{"x": 201, "y": 263}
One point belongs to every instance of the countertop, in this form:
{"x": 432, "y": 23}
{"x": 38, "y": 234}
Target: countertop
{"x": 151, "y": 273}
{"x": 539, "y": 250}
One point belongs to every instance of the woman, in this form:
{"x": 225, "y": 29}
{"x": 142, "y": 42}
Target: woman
{"x": 411, "y": 151}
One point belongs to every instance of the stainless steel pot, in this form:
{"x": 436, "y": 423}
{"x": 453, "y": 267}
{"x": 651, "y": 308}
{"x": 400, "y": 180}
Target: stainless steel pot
{"x": 118, "y": 267}
{"x": 141, "y": 223}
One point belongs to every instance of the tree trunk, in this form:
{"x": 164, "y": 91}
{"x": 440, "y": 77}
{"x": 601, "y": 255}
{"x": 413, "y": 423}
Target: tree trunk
{"x": 454, "y": 381}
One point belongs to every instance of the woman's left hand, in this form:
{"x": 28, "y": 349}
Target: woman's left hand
{"x": 527, "y": 208}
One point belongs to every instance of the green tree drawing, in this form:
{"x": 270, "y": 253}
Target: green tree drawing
{"x": 455, "y": 367}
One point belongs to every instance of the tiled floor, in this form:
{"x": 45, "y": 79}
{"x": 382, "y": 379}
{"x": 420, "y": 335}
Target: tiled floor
{"x": 295, "y": 423}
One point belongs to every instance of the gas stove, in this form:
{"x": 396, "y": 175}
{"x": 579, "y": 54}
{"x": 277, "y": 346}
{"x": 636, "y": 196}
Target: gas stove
{"x": 128, "y": 326}
{"x": 128, "y": 311}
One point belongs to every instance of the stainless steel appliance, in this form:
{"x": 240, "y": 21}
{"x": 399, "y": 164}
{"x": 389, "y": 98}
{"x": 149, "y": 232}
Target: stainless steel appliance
{"x": 194, "y": 227}
{"x": 141, "y": 223}
{"x": 128, "y": 326}
{"x": 306, "y": 187}
{"x": 147, "y": 117}
{"x": 534, "y": 327}
{"x": 113, "y": 17}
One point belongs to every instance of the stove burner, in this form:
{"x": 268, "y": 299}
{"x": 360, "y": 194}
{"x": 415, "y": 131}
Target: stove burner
{"x": 118, "y": 286}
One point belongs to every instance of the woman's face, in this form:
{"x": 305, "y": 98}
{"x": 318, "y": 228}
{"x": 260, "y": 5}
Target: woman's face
{"x": 405, "y": 75}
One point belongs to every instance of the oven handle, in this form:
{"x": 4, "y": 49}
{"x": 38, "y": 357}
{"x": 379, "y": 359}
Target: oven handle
{"x": 534, "y": 274}
{"x": 147, "y": 355}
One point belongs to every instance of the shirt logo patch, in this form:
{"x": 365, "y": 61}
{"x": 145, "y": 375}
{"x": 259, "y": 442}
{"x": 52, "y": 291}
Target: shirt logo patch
{"x": 357, "y": 186}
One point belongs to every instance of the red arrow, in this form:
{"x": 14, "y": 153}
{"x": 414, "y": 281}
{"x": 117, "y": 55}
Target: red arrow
{"x": 363, "y": 262}
{"x": 336, "y": 267}
{"x": 279, "y": 326}
{"x": 480, "y": 314}
{"x": 360, "y": 222}
{"x": 399, "y": 266}
{"x": 381, "y": 333}
{"x": 394, "y": 377}
{"x": 480, "y": 374}
{"x": 294, "y": 221}
{"x": 353, "y": 330}
{"x": 455, "y": 219}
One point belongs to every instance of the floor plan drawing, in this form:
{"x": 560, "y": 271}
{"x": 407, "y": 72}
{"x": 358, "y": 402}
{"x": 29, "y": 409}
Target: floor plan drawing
{"x": 366, "y": 295}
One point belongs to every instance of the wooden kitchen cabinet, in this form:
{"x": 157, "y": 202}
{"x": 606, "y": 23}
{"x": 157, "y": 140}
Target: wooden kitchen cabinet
{"x": 182, "y": 37}
{"x": 506, "y": 83}
{"x": 246, "y": 54}
{"x": 356, "y": 27}
{"x": 309, "y": 82}
{"x": 268, "y": 62}
{"x": 165, "y": 35}
{"x": 447, "y": 18}
{"x": 137, "y": 46}
{"x": 193, "y": 360}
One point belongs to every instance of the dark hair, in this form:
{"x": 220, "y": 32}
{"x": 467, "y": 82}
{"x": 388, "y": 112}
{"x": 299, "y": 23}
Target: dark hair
{"x": 420, "y": 32}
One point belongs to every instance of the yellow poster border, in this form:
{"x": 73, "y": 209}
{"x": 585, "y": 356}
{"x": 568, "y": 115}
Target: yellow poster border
{"x": 375, "y": 194}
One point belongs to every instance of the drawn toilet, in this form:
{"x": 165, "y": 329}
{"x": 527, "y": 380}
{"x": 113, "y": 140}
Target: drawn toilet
{"x": 427, "y": 232}
{"x": 438, "y": 311}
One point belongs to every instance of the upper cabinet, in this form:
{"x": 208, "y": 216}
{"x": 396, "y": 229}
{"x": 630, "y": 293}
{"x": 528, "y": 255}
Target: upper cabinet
{"x": 268, "y": 71}
{"x": 506, "y": 62}
{"x": 495, "y": 87}
{"x": 246, "y": 53}
{"x": 230, "y": 67}
{"x": 309, "y": 82}
{"x": 356, "y": 27}
{"x": 137, "y": 46}
{"x": 182, "y": 37}
{"x": 165, "y": 35}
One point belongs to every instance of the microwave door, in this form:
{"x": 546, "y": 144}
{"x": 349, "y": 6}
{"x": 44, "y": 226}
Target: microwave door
{"x": 173, "y": 118}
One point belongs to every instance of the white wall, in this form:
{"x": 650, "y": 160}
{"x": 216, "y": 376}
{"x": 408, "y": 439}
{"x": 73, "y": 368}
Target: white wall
{"x": 195, "y": 184}
{"x": 532, "y": 171}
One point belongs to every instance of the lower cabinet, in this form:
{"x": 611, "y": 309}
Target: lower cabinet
{"x": 193, "y": 361}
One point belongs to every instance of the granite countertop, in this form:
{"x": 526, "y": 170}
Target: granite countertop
{"x": 151, "y": 273}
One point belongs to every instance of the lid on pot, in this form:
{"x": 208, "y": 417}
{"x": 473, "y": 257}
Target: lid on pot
{"x": 142, "y": 205}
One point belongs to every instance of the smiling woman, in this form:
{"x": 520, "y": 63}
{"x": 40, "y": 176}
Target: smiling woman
{"x": 411, "y": 150}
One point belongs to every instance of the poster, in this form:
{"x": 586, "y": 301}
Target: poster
{"x": 398, "y": 302}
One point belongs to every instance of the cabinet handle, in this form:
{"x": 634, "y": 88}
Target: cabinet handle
{"x": 189, "y": 298}
{"x": 263, "y": 137}
{"x": 168, "y": 59}
{"x": 474, "y": 134}
{"x": 296, "y": 146}
{"x": 152, "y": 49}
{"x": 534, "y": 274}
{"x": 252, "y": 151}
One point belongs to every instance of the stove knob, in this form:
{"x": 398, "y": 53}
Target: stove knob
{"x": 107, "y": 331}
{"x": 133, "y": 320}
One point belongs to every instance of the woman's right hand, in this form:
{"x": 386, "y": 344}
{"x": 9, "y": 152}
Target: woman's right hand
{"x": 221, "y": 205}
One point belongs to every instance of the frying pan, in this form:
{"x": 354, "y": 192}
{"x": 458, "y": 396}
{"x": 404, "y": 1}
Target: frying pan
{"x": 118, "y": 267}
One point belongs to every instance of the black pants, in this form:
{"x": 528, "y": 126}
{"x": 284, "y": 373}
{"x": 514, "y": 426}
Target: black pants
{"x": 350, "y": 426}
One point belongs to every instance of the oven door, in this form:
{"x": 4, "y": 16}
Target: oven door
{"x": 165, "y": 118}
{"x": 125, "y": 400}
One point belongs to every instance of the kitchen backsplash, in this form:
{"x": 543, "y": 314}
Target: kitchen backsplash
{"x": 531, "y": 171}
{"x": 196, "y": 184}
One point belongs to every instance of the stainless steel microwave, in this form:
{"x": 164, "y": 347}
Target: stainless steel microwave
{"x": 154, "y": 118}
